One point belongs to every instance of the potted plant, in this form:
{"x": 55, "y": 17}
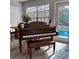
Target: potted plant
{"x": 26, "y": 19}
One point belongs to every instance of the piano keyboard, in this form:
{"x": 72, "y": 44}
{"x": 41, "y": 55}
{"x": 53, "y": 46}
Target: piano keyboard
{"x": 40, "y": 35}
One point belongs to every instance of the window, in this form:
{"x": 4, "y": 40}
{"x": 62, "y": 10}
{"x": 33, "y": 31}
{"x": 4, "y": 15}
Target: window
{"x": 43, "y": 13}
{"x": 39, "y": 13}
{"x": 32, "y": 12}
{"x": 63, "y": 20}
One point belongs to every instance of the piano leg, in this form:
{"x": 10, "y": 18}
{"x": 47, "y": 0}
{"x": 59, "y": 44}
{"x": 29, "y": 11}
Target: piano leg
{"x": 20, "y": 46}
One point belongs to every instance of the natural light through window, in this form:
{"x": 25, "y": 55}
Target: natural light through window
{"x": 63, "y": 21}
{"x": 39, "y": 13}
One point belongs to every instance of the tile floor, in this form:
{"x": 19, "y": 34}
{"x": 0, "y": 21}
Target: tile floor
{"x": 62, "y": 51}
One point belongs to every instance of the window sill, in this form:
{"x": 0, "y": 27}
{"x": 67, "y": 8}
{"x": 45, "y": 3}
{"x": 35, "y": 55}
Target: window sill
{"x": 62, "y": 39}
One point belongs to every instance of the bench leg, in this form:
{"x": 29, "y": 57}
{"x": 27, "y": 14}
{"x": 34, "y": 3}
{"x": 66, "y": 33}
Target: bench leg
{"x": 54, "y": 48}
{"x": 27, "y": 47}
{"x": 30, "y": 53}
{"x": 20, "y": 46}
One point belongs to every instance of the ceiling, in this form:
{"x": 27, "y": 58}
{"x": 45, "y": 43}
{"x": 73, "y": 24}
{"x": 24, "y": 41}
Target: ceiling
{"x": 19, "y": 0}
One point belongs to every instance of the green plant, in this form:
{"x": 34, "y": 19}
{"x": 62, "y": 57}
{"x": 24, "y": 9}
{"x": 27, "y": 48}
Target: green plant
{"x": 26, "y": 18}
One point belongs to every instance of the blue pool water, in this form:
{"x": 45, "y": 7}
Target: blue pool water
{"x": 63, "y": 33}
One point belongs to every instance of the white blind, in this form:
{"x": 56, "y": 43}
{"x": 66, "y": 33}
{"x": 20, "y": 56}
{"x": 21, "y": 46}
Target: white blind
{"x": 14, "y": 15}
